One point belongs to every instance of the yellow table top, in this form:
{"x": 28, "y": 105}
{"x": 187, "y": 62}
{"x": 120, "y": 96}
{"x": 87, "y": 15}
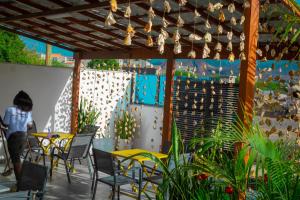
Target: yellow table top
{"x": 61, "y": 135}
{"x": 130, "y": 152}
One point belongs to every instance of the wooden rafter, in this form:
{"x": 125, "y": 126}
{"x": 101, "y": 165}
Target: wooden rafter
{"x": 38, "y": 38}
{"x": 62, "y": 10}
{"x": 70, "y": 28}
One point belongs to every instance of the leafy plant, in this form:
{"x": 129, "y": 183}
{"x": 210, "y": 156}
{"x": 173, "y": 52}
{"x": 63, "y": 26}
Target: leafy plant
{"x": 125, "y": 126}
{"x": 104, "y": 64}
{"x": 87, "y": 114}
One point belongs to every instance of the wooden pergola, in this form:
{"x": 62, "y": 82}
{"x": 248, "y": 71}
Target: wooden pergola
{"x": 79, "y": 26}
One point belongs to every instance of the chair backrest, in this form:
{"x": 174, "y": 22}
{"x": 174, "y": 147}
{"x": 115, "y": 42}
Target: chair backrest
{"x": 33, "y": 177}
{"x": 80, "y": 145}
{"x": 90, "y": 129}
{"x": 103, "y": 162}
{"x": 32, "y": 141}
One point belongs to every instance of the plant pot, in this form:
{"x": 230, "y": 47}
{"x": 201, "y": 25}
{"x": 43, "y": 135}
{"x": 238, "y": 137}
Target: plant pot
{"x": 124, "y": 144}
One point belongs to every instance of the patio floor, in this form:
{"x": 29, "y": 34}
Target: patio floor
{"x": 59, "y": 188}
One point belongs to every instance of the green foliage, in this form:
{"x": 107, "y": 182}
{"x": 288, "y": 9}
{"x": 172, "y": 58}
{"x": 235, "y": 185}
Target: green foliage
{"x": 181, "y": 73}
{"x": 56, "y": 63}
{"x": 87, "y": 115}
{"x": 125, "y": 126}
{"x": 103, "y": 64}
{"x": 275, "y": 86}
{"x": 13, "y": 50}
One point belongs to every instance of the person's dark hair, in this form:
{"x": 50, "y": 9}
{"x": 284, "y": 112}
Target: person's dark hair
{"x": 23, "y": 101}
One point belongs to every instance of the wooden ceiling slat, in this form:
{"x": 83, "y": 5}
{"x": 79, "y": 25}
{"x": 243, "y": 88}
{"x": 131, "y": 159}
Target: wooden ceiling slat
{"x": 51, "y": 37}
{"x": 38, "y": 38}
{"x": 101, "y": 19}
{"x": 67, "y": 27}
{"x": 63, "y": 10}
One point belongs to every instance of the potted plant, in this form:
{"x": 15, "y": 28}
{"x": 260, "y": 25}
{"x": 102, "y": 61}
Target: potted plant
{"x": 125, "y": 128}
{"x": 87, "y": 115}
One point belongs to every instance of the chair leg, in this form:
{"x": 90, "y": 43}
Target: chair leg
{"x": 25, "y": 157}
{"x": 67, "y": 171}
{"x": 119, "y": 192}
{"x": 113, "y": 192}
{"x": 44, "y": 159}
{"x": 93, "y": 181}
{"x": 51, "y": 165}
{"x": 140, "y": 183}
{"x": 95, "y": 190}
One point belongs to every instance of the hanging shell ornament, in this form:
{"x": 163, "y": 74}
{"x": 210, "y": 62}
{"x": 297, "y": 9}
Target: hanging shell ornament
{"x": 192, "y": 54}
{"x": 194, "y": 37}
{"x": 210, "y": 7}
{"x": 229, "y": 46}
{"x": 151, "y": 13}
{"x": 167, "y": 7}
{"x": 273, "y": 52}
{"x": 217, "y": 56}
{"x": 218, "y": 47}
{"x": 206, "y": 51}
{"x": 148, "y": 26}
{"x": 242, "y": 56}
{"x": 233, "y": 21}
{"x": 177, "y": 48}
{"x": 242, "y": 20}
{"x": 130, "y": 30}
{"x": 219, "y": 29}
{"x": 164, "y": 33}
{"x": 207, "y": 24}
{"x": 242, "y": 37}
{"x": 161, "y": 48}
{"x": 231, "y": 57}
{"x": 165, "y": 22}
{"x": 231, "y": 8}
{"x": 127, "y": 13}
{"x": 246, "y": 4}
{"x": 196, "y": 14}
{"x": 221, "y": 16}
{"x": 176, "y": 36}
{"x": 114, "y": 5}
{"x": 259, "y": 52}
{"x": 180, "y": 21}
{"x": 127, "y": 40}
{"x": 229, "y": 35}
{"x": 218, "y": 6}
{"x": 182, "y": 2}
{"x": 149, "y": 41}
{"x": 110, "y": 20}
{"x": 242, "y": 46}
{"x": 207, "y": 37}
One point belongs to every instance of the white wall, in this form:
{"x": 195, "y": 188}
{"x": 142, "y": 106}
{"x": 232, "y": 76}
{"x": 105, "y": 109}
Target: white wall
{"x": 50, "y": 89}
{"x": 149, "y": 133}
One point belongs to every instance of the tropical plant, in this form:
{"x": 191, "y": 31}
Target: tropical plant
{"x": 104, "y": 64}
{"x": 125, "y": 126}
{"x": 261, "y": 169}
{"x": 87, "y": 114}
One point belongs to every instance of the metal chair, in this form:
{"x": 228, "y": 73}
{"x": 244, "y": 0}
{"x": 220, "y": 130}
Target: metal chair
{"x": 78, "y": 149}
{"x": 104, "y": 163}
{"x": 32, "y": 182}
{"x": 34, "y": 145}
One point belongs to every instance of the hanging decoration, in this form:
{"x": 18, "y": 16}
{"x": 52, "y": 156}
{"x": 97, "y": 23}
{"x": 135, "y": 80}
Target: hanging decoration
{"x": 167, "y": 7}
{"x": 110, "y": 20}
{"x": 114, "y": 5}
{"x": 193, "y": 36}
{"x": 130, "y": 30}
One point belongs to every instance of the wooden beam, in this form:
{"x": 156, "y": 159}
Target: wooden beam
{"x": 36, "y": 37}
{"x": 50, "y": 36}
{"x": 62, "y": 11}
{"x": 75, "y": 93}
{"x": 248, "y": 66}
{"x": 65, "y": 26}
{"x": 168, "y": 105}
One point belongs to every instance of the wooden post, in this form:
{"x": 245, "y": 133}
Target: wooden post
{"x": 168, "y": 105}
{"x": 48, "y": 59}
{"x": 247, "y": 72}
{"x": 75, "y": 93}
{"x": 248, "y": 66}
